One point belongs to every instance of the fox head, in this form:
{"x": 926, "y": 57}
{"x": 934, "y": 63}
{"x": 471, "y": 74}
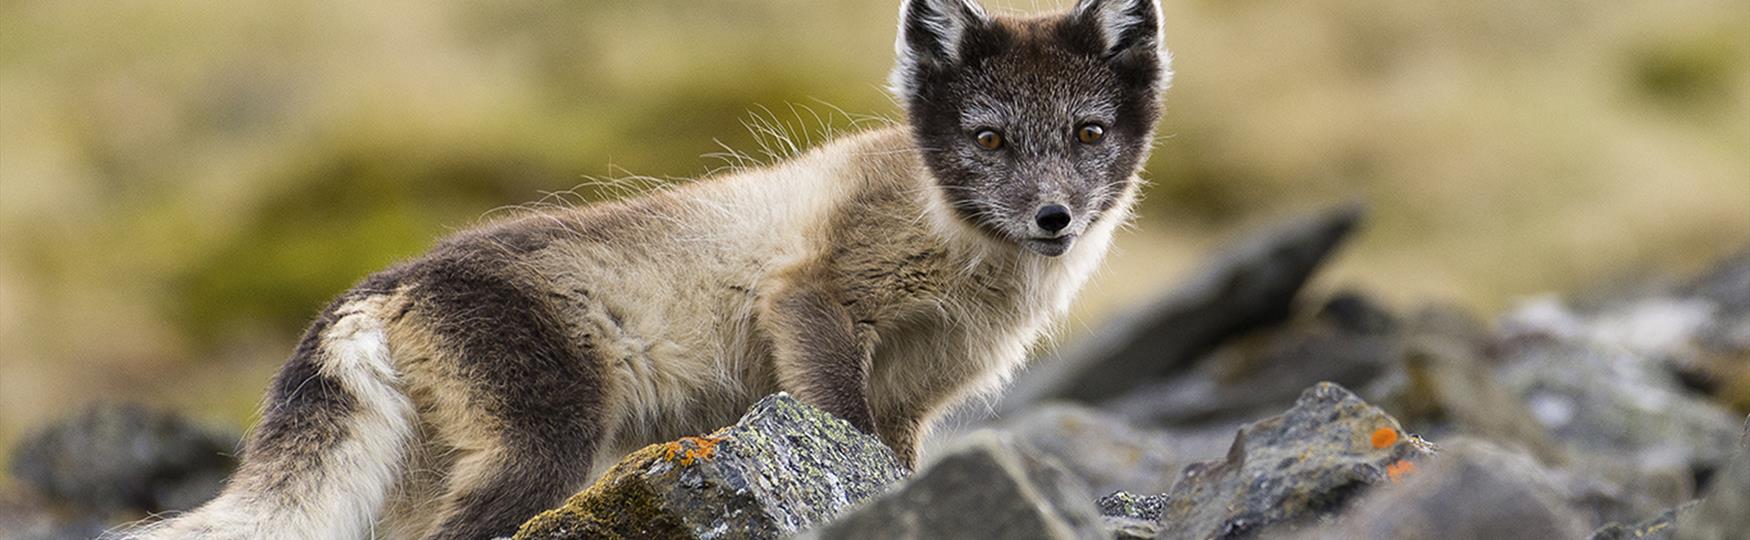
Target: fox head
{"x": 1032, "y": 127}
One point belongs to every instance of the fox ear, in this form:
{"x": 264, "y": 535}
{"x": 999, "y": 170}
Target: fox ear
{"x": 931, "y": 34}
{"x": 1130, "y": 34}
{"x": 1127, "y": 28}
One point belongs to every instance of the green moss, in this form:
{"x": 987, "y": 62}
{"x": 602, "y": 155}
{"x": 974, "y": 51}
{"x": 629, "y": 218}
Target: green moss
{"x": 619, "y": 506}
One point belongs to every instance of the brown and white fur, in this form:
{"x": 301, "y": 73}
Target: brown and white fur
{"x": 883, "y": 277}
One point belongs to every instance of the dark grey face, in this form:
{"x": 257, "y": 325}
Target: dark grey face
{"x": 1032, "y": 127}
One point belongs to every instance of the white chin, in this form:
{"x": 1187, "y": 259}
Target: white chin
{"x": 1049, "y": 247}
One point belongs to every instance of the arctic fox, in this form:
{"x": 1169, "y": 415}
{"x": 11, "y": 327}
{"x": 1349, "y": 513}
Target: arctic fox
{"x": 883, "y": 277}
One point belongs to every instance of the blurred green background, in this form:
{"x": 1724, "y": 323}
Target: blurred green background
{"x": 184, "y": 183}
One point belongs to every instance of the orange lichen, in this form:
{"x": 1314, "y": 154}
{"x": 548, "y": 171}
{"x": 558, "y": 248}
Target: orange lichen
{"x": 1384, "y": 437}
{"x": 688, "y": 450}
{"x": 1397, "y": 470}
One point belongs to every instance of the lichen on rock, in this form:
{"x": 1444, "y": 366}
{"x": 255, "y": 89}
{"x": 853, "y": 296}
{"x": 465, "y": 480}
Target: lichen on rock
{"x": 1291, "y": 469}
{"x": 783, "y": 467}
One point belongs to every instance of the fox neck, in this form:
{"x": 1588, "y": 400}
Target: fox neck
{"x": 1051, "y": 281}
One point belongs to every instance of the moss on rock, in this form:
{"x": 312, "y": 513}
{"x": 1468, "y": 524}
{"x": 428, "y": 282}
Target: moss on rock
{"x": 783, "y": 467}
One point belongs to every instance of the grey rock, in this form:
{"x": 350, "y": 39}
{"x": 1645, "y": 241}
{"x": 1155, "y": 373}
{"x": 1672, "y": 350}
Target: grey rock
{"x": 783, "y": 467}
{"x": 1251, "y": 285}
{"x": 1104, "y": 450}
{"x": 1452, "y": 323}
{"x": 1612, "y": 409}
{"x": 1724, "y": 513}
{"x": 1130, "y": 505}
{"x": 1358, "y": 313}
{"x": 1471, "y": 490}
{"x": 25, "y": 517}
{"x": 1123, "y": 528}
{"x": 1624, "y": 494}
{"x": 987, "y": 487}
{"x": 1291, "y": 470}
{"x": 115, "y": 458}
{"x": 1721, "y": 348}
{"x": 1699, "y": 330}
{"x": 1443, "y": 386}
{"x": 1254, "y": 376}
{"x": 1661, "y": 527}
{"x": 1726, "y": 284}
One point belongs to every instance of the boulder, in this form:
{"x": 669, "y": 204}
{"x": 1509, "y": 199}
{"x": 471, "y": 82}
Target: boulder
{"x": 1443, "y": 386}
{"x": 1251, "y": 285}
{"x": 115, "y": 459}
{"x": 1661, "y": 527}
{"x": 1123, "y": 528}
{"x": 1614, "y": 410}
{"x": 986, "y": 487}
{"x": 1291, "y": 470}
{"x": 1724, "y": 513}
{"x": 783, "y": 467}
{"x": 1106, "y": 452}
{"x": 1256, "y": 375}
{"x": 23, "y": 516}
{"x": 1473, "y": 489}
{"x": 1699, "y": 329}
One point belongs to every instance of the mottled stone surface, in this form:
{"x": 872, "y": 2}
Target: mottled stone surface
{"x": 1131, "y": 505}
{"x": 1104, "y": 450}
{"x": 784, "y": 467}
{"x": 113, "y": 458}
{"x": 1724, "y": 511}
{"x": 1443, "y": 385}
{"x": 1291, "y": 469}
{"x": 1613, "y": 409}
{"x": 986, "y": 487}
{"x": 1661, "y": 527}
{"x": 1472, "y": 489}
{"x": 1123, "y": 528}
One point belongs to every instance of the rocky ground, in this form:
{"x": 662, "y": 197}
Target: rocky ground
{"x": 1234, "y": 407}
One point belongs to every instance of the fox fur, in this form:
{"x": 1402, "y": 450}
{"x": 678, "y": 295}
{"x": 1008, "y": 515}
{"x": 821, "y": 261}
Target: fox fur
{"x": 883, "y": 276}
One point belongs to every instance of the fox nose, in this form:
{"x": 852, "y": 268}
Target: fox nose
{"x": 1052, "y": 218}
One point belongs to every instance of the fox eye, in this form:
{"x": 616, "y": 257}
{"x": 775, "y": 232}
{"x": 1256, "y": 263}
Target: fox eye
{"x": 989, "y": 139}
{"x": 1090, "y": 133}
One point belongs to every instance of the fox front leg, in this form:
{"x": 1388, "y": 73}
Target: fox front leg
{"x": 820, "y": 353}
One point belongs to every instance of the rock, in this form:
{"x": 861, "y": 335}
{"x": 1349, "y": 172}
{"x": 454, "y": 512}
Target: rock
{"x": 987, "y": 487}
{"x": 1722, "y": 512}
{"x": 783, "y": 467}
{"x": 1661, "y": 527}
{"x": 1699, "y": 330}
{"x": 125, "y": 458}
{"x": 1611, "y": 409}
{"x": 1723, "y": 343}
{"x": 1727, "y": 284}
{"x": 1130, "y": 505}
{"x": 1251, "y": 285}
{"x": 1106, "y": 452}
{"x": 1358, "y": 313}
{"x": 1471, "y": 490}
{"x": 1624, "y": 494}
{"x": 24, "y": 517}
{"x": 1253, "y": 376}
{"x": 1442, "y": 386}
{"x": 1123, "y": 528}
{"x": 1291, "y": 470}
{"x": 1129, "y": 516}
